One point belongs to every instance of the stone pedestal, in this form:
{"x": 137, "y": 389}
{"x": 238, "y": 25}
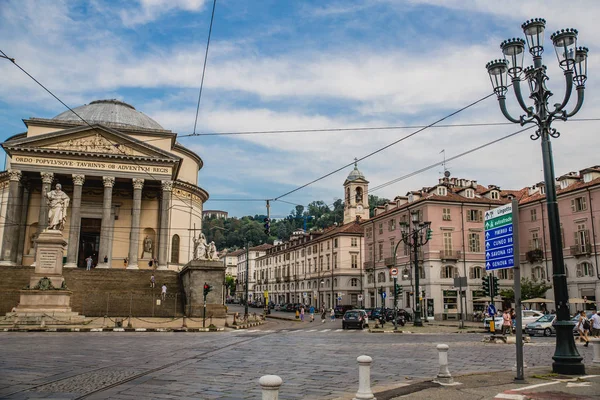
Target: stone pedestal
{"x": 47, "y": 292}
{"x": 193, "y": 276}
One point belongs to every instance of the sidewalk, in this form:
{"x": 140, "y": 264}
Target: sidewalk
{"x": 540, "y": 383}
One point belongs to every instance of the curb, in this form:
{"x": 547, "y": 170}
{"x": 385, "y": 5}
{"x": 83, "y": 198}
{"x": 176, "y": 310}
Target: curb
{"x": 113, "y": 330}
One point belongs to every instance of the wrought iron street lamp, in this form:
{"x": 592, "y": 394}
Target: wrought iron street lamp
{"x": 573, "y": 61}
{"x": 415, "y": 239}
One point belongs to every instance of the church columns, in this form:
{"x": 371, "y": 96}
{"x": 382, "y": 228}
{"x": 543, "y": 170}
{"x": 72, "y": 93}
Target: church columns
{"x": 105, "y": 234}
{"x": 47, "y": 178}
{"x": 134, "y": 237}
{"x": 23, "y": 224}
{"x": 10, "y": 240}
{"x": 75, "y": 225}
{"x": 163, "y": 230}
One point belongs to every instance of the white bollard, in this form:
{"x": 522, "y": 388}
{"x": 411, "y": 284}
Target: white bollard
{"x": 596, "y": 348}
{"x": 364, "y": 379}
{"x": 443, "y": 376}
{"x": 270, "y": 385}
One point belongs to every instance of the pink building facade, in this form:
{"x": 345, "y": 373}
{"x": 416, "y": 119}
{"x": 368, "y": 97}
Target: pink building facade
{"x": 455, "y": 208}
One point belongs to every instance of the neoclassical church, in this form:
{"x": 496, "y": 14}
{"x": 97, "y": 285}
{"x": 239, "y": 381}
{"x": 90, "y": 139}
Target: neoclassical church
{"x": 133, "y": 189}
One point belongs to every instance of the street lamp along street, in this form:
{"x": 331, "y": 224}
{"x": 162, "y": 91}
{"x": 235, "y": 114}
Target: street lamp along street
{"x": 573, "y": 61}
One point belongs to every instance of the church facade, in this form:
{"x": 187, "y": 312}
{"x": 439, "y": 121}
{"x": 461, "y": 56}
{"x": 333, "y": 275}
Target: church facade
{"x": 134, "y": 197}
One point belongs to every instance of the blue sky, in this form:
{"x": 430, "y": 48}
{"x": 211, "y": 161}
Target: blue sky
{"x": 299, "y": 65}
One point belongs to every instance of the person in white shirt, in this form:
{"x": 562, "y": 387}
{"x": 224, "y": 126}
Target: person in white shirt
{"x": 163, "y": 293}
{"x": 595, "y": 322}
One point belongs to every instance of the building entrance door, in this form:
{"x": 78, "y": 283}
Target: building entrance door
{"x": 89, "y": 240}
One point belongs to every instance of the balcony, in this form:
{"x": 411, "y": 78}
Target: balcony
{"x": 389, "y": 261}
{"x": 420, "y": 254}
{"x": 534, "y": 255}
{"x": 581, "y": 251}
{"x": 449, "y": 255}
{"x": 265, "y": 281}
{"x": 295, "y": 278}
{"x": 286, "y": 278}
{"x": 278, "y": 280}
{"x": 368, "y": 264}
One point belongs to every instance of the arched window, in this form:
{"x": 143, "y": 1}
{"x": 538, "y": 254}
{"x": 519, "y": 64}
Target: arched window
{"x": 585, "y": 269}
{"x": 359, "y": 195}
{"x": 353, "y": 282}
{"x": 381, "y": 277}
{"x": 347, "y": 196}
{"x": 175, "y": 249}
{"x": 335, "y": 282}
{"x": 302, "y": 285}
{"x": 538, "y": 273}
{"x": 476, "y": 273}
{"x": 448, "y": 272}
{"x": 327, "y": 283}
{"x": 370, "y": 278}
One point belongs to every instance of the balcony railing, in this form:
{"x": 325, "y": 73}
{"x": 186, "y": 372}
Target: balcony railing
{"x": 389, "y": 261}
{"x": 278, "y": 280}
{"x": 449, "y": 255}
{"x": 368, "y": 264}
{"x": 286, "y": 278}
{"x": 534, "y": 255}
{"x": 579, "y": 250}
{"x": 265, "y": 281}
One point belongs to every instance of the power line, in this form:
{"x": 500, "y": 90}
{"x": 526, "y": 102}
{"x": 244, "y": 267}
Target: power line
{"x": 386, "y": 146}
{"x": 204, "y": 67}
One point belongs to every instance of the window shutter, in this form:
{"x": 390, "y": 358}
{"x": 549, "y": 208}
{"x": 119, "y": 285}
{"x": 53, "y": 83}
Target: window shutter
{"x": 579, "y": 271}
{"x": 479, "y": 216}
{"x": 577, "y": 238}
{"x": 455, "y": 272}
{"x": 583, "y": 204}
{"x": 586, "y": 233}
{"x": 472, "y": 273}
{"x": 573, "y": 205}
{"x": 442, "y": 269}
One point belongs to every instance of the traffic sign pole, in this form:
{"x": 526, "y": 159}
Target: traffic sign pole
{"x": 395, "y": 302}
{"x": 517, "y": 275}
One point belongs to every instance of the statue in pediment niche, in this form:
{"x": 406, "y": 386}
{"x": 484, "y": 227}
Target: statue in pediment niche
{"x": 58, "y": 202}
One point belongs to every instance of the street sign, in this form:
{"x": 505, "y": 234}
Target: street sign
{"x": 304, "y": 294}
{"x": 499, "y": 252}
{"x": 394, "y": 271}
{"x": 384, "y": 295}
{"x": 360, "y": 297}
{"x": 339, "y": 299}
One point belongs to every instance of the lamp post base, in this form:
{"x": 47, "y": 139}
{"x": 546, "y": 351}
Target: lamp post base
{"x": 567, "y": 360}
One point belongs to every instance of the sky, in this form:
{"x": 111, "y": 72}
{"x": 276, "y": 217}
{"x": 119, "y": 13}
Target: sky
{"x": 297, "y": 65}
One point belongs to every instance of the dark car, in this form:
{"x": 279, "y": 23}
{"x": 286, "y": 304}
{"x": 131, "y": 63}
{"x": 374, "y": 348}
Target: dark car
{"x": 354, "y": 318}
{"x": 341, "y": 310}
{"x": 290, "y": 307}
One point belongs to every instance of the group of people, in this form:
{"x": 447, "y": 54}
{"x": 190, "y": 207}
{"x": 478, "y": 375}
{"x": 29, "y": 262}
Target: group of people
{"x": 163, "y": 289}
{"x": 311, "y": 311}
{"x": 588, "y": 327}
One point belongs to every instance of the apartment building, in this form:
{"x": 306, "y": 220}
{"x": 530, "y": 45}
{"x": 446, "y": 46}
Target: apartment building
{"x": 246, "y": 262}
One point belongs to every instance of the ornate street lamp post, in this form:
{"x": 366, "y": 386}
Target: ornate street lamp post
{"x": 414, "y": 239}
{"x": 573, "y": 61}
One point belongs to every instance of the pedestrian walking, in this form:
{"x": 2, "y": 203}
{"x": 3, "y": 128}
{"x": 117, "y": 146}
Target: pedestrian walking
{"x": 311, "y": 311}
{"x": 163, "y": 292}
{"x": 332, "y": 314}
{"x": 595, "y": 322}
{"x": 583, "y": 325}
{"x": 323, "y": 315}
{"x": 88, "y": 263}
{"x": 513, "y": 320}
{"x": 125, "y": 261}
{"x": 506, "y": 322}
{"x": 302, "y": 314}
{"x": 152, "y": 281}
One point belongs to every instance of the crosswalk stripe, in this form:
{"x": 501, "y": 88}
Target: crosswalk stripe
{"x": 325, "y": 330}
{"x": 339, "y": 330}
{"x": 312, "y": 330}
{"x": 253, "y": 330}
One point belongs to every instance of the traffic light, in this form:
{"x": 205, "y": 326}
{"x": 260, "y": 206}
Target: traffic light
{"x": 380, "y": 290}
{"x": 207, "y": 289}
{"x": 268, "y": 226}
{"x": 399, "y": 289}
{"x": 495, "y": 285}
{"x": 485, "y": 281}
{"x": 429, "y": 233}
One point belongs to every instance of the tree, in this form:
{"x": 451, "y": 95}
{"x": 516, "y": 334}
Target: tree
{"x": 530, "y": 289}
{"x": 375, "y": 201}
{"x": 230, "y": 285}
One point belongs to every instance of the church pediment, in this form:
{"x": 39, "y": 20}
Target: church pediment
{"x": 98, "y": 141}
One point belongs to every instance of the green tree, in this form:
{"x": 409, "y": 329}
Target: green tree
{"x": 230, "y": 285}
{"x": 530, "y": 289}
{"x": 375, "y": 201}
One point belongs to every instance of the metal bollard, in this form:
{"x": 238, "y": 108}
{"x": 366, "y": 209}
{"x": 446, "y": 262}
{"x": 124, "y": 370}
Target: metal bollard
{"x": 443, "y": 376}
{"x": 270, "y": 385}
{"x": 596, "y": 348}
{"x": 364, "y": 379}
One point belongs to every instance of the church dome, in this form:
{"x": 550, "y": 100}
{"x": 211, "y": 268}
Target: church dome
{"x": 111, "y": 112}
{"x": 355, "y": 174}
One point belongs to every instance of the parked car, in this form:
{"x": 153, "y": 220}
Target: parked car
{"x": 542, "y": 326}
{"x": 355, "y": 318}
{"x": 528, "y": 316}
{"x": 341, "y": 310}
{"x": 290, "y": 307}
{"x": 277, "y": 307}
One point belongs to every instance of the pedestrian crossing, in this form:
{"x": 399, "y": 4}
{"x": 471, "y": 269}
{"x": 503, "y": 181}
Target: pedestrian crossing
{"x": 297, "y": 331}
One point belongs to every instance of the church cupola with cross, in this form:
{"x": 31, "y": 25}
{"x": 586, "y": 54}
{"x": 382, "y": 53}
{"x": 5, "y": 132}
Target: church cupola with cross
{"x": 356, "y": 198}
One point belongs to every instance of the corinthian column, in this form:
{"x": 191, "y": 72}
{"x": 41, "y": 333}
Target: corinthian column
{"x": 47, "y": 178}
{"x": 163, "y": 229}
{"x": 10, "y": 239}
{"x": 105, "y": 236}
{"x": 75, "y": 225}
{"x": 134, "y": 236}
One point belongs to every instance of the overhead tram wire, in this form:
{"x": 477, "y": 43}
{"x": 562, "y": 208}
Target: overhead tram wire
{"x": 212, "y": 18}
{"x": 386, "y": 146}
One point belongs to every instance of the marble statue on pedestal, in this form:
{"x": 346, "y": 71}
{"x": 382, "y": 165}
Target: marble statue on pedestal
{"x": 58, "y": 201}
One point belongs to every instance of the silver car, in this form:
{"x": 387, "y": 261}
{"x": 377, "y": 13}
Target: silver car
{"x": 542, "y": 326}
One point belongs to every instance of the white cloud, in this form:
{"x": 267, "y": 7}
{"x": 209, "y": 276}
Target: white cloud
{"x": 150, "y": 10}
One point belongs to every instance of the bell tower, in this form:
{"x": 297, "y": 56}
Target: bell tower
{"x": 356, "y": 198}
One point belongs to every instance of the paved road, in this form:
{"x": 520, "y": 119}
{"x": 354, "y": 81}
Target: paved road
{"x": 316, "y": 361}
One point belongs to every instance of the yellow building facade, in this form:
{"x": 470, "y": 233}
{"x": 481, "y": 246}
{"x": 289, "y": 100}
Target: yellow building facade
{"x": 134, "y": 196}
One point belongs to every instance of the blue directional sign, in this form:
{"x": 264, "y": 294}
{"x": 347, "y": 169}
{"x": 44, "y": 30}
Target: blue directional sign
{"x": 499, "y": 251}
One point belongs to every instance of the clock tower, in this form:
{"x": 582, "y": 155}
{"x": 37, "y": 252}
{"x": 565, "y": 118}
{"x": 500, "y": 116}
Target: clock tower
{"x": 356, "y": 199}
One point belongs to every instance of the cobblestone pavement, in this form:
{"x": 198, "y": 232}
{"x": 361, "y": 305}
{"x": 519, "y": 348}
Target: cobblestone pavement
{"x": 315, "y": 363}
